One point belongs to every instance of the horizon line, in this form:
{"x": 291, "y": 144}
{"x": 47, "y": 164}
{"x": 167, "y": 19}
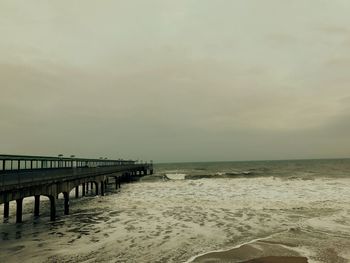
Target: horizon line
{"x": 259, "y": 160}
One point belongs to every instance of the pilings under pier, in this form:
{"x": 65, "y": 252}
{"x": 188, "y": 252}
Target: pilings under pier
{"x": 19, "y": 210}
{"x": 6, "y": 210}
{"x": 90, "y": 186}
{"x": 36, "y": 205}
{"x": 52, "y": 208}
{"x": 66, "y": 203}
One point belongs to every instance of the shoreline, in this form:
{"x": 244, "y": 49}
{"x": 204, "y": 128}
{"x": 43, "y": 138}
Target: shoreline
{"x": 254, "y": 251}
{"x": 226, "y": 250}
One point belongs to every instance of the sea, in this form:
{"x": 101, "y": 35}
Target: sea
{"x": 196, "y": 212}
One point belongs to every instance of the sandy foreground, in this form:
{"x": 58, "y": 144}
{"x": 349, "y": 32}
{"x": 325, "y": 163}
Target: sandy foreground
{"x": 256, "y": 252}
{"x": 278, "y": 260}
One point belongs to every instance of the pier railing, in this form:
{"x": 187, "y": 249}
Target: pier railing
{"x": 21, "y": 162}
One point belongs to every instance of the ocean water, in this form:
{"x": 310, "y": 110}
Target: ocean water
{"x": 187, "y": 210}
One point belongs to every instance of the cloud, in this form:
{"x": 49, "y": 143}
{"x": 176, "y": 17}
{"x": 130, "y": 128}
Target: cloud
{"x": 184, "y": 80}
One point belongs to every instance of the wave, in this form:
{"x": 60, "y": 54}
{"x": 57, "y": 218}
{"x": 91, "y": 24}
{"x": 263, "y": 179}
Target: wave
{"x": 192, "y": 259}
{"x": 174, "y": 176}
{"x": 246, "y": 174}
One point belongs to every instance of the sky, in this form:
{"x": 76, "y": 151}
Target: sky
{"x": 173, "y": 81}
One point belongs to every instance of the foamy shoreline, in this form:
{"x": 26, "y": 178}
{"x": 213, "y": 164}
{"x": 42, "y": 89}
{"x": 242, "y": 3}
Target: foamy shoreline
{"x": 182, "y": 220}
{"x": 225, "y": 250}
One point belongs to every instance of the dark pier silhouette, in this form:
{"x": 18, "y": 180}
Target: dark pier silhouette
{"x": 27, "y": 176}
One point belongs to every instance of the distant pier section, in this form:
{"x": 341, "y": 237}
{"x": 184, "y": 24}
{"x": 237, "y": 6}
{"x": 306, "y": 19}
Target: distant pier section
{"x": 35, "y": 176}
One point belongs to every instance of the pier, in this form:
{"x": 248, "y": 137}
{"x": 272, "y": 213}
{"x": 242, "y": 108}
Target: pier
{"x": 35, "y": 176}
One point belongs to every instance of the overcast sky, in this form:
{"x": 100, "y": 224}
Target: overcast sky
{"x": 184, "y": 80}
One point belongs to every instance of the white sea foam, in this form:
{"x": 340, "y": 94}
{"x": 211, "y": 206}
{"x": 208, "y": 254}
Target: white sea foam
{"x": 176, "y": 176}
{"x": 175, "y": 220}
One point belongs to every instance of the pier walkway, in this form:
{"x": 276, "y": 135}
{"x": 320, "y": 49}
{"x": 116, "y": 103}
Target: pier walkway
{"x": 26, "y": 176}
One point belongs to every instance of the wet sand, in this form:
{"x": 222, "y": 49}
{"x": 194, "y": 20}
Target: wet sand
{"x": 278, "y": 260}
{"x": 256, "y": 252}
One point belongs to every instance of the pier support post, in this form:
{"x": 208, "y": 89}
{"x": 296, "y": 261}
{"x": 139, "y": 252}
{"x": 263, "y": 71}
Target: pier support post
{"x": 83, "y": 194}
{"x": 102, "y": 188}
{"x": 96, "y": 188}
{"x": 19, "y": 209}
{"x": 119, "y": 181}
{"x": 91, "y": 185}
{"x": 87, "y": 187}
{"x": 52, "y": 208}
{"x": 36, "y": 205}
{"x": 77, "y": 192}
{"x": 6, "y": 209}
{"x": 116, "y": 182}
{"x": 66, "y": 203}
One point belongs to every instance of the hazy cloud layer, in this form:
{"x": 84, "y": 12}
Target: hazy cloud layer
{"x": 176, "y": 80}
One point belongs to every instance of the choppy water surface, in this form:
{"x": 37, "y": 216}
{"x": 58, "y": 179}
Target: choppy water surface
{"x": 191, "y": 209}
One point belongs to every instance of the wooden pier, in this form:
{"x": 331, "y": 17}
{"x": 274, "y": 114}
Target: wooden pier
{"x": 26, "y": 176}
